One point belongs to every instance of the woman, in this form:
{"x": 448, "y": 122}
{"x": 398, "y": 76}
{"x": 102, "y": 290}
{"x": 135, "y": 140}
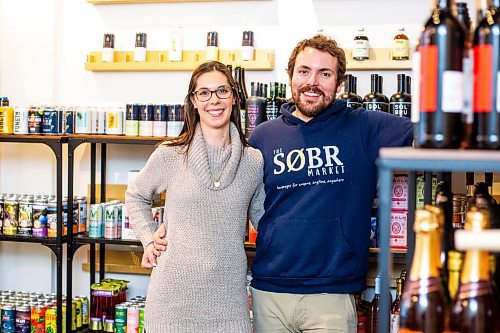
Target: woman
{"x": 213, "y": 183}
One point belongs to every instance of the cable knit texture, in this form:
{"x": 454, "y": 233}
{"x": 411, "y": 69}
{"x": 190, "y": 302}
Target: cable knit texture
{"x": 199, "y": 284}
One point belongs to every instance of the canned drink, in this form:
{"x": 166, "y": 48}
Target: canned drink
{"x": 78, "y": 310}
{"x": 35, "y": 122}
{"x": 85, "y": 309}
{"x": 82, "y": 213}
{"x": 20, "y": 120}
{"x": 40, "y": 218}
{"x": 175, "y": 120}
{"x": 146, "y": 119}
{"x": 157, "y": 214}
{"x": 141, "y": 318}
{"x": 96, "y": 225}
{"x": 11, "y": 216}
{"x": 111, "y": 221}
{"x": 132, "y": 115}
{"x": 83, "y": 117}
{"x": 38, "y": 318}
{"x": 51, "y": 320}
{"x": 4, "y": 101}
{"x": 68, "y": 121}
{"x": 114, "y": 121}
{"x": 52, "y": 121}
{"x": 160, "y": 120}
{"x": 52, "y": 218}
{"x": 98, "y": 120}
{"x": 2, "y": 212}
{"x": 25, "y": 216}
{"x": 133, "y": 319}
{"x": 119, "y": 219}
{"x": 8, "y": 318}
{"x": 6, "y": 120}
{"x": 120, "y": 318}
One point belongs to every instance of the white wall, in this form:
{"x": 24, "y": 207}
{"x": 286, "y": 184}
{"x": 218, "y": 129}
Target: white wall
{"x": 44, "y": 46}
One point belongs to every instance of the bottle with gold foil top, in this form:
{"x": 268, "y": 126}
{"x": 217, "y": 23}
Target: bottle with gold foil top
{"x": 401, "y": 46}
{"x": 454, "y": 268}
{"x": 475, "y": 310}
{"x": 396, "y": 307}
{"x": 423, "y": 305}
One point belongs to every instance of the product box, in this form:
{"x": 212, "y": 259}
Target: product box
{"x": 399, "y": 232}
{"x": 399, "y": 200}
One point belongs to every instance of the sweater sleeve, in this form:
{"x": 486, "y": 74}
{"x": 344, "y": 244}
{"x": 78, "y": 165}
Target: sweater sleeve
{"x": 151, "y": 180}
{"x": 256, "y": 209}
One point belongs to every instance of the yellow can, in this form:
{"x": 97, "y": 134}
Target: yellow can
{"x": 73, "y": 316}
{"x": 78, "y": 306}
{"x": 51, "y": 320}
{"x": 6, "y": 120}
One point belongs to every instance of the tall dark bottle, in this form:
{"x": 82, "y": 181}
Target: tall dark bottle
{"x": 441, "y": 99}
{"x": 475, "y": 310}
{"x": 375, "y": 100}
{"x": 238, "y": 77}
{"x": 353, "y": 100}
{"x": 400, "y": 102}
{"x": 423, "y": 306}
{"x": 486, "y": 106}
{"x": 374, "y": 307}
{"x": 273, "y": 103}
{"x": 256, "y": 110}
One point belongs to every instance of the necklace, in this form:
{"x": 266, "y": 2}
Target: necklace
{"x": 217, "y": 180}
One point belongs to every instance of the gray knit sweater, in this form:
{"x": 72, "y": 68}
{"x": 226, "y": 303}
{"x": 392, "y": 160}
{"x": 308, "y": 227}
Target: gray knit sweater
{"x": 199, "y": 284}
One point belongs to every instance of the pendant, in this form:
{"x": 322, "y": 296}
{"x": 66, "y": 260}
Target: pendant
{"x": 217, "y": 183}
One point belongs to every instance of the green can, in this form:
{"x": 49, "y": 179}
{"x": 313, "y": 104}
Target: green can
{"x": 85, "y": 309}
{"x": 141, "y": 319}
{"x": 73, "y": 316}
{"x": 78, "y": 310}
{"x": 120, "y": 318}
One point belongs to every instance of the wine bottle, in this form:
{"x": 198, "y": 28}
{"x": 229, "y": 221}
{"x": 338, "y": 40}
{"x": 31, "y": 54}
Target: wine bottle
{"x": 256, "y": 110}
{"x": 455, "y": 260}
{"x": 401, "y": 46}
{"x": 375, "y": 100}
{"x": 361, "y": 313}
{"x": 396, "y": 307}
{"x": 441, "y": 80}
{"x": 486, "y": 125}
{"x": 242, "y": 95}
{"x": 273, "y": 103}
{"x": 475, "y": 309}
{"x": 400, "y": 102}
{"x": 361, "y": 48}
{"x": 422, "y": 305}
{"x": 374, "y": 308}
{"x": 353, "y": 100}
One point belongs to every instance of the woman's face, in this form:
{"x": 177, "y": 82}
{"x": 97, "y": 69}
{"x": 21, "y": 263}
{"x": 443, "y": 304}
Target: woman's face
{"x": 214, "y": 99}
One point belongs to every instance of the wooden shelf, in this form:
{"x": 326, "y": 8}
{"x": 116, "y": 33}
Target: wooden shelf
{"x": 112, "y": 2}
{"x": 380, "y": 59}
{"x": 158, "y": 61}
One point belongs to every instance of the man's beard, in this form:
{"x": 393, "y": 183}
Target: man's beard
{"x": 311, "y": 109}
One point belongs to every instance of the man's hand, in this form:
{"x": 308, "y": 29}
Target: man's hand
{"x": 148, "y": 258}
{"x": 160, "y": 241}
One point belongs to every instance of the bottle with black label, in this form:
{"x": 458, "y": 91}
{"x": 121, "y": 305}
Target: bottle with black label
{"x": 242, "y": 94}
{"x": 256, "y": 110}
{"x": 441, "y": 100}
{"x": 353, "y": 100}
{"x": 400, "y": 104}
{"x": 273, "y": 103}
{"x": 361, "y": 47}
{"x": 375, "y": 100}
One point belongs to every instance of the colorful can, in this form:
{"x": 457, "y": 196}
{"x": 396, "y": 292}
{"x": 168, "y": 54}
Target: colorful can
{"x": 133, "y": 319}
{"x": 68, "y": 121}
{"x": 83, "y": 116}
{"x": 96, "y": 225}
{"x": 52, "y": 218}
{"x": 6, "y": 120}
{"x": 85, "y": 309}
{"x": 11, "y": 216}
{"x": 111, "y": 221}
{"x": 97, "y": 121}
{"x": 132, "y": 115}
{"x": 114, "y": 120}
{"x": 26, "y": 216}
{"x": 38, "y": 318}
{"x": 141, "y": 318}
{"x": 146, "y": 119}
{"x": 160, "y": 120}
{"x": 51, "y": 320}
{"x": 78, "y": 310}
{"x": 120, "y": 318}
{"x": 20, "y": 120}
{"x": 35, "y": 122}
{"x": 2, "y": 213}
{"x": 52, "y": 122}
{"x": 8, "y": 318}
{"x": 4, "y": 101}
{"x": 40, "y": 218}
{"x": 82, "y": 213}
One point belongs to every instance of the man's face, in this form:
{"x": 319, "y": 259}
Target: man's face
{"x": 314, "y": 82}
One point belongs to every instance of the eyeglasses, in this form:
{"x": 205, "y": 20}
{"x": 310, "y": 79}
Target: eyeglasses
{"x": 203, "y": 95}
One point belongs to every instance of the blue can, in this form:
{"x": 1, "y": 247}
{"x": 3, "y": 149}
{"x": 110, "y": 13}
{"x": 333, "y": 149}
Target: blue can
{"x": 52, "y": 121}
{"x": 8, "y": 318}
{"x": 68, "y": 122}
{"x": 96, "y": 223}
{"x": 23, "y": 319}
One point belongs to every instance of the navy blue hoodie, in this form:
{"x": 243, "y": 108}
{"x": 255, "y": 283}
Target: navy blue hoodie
{"x": 320, "y": 180}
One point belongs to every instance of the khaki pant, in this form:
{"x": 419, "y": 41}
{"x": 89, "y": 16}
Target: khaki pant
{"x": 297, "y": 313}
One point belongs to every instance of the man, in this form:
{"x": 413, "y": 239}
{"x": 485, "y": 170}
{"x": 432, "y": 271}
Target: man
{"x": 320, "y": 179}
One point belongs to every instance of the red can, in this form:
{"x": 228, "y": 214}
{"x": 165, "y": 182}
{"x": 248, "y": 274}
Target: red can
{"x": 38, "y": 319}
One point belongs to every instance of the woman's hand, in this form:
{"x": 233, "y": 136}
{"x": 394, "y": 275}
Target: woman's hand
{"x": 160, "y": 241}
{"x": 148, "y": 258}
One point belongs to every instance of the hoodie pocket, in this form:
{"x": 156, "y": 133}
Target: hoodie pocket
{"x": 306, "y": 248}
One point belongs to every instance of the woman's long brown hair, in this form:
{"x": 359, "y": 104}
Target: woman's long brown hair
{"x": 191, "y": 117}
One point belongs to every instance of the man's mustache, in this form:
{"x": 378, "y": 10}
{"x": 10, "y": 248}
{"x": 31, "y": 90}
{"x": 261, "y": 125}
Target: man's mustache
{"x": 311, "y": 89}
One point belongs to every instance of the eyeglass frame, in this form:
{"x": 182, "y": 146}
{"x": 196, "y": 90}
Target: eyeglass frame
{"x": 231, "y": 89}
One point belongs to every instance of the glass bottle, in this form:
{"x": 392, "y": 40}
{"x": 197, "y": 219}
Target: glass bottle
{"x": 401, "y": 46}
{"x": 353, "y": 100}
{"x": 474, "y": 309}
{"x": 441, "y": 80}
{"x": 396, "y": 307}
{"x": 361, "y": 47}
{"x": 454, "y": 268}
{"x": 361, "y": 313}
{"x": 273, "y": 103}
{"x": 374, "y": 308}
{"x": 256, "y": 110}
{"x": 375, "y": 100}
{"x": 238, "y": 78}
{"x": 422, "y": 305}
{"x": 400, "y": 102}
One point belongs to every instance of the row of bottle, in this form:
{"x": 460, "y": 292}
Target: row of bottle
{"x": 455, "y": 72}
{"x": 400, "y": 46}
{"x": 399, "y": 104}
